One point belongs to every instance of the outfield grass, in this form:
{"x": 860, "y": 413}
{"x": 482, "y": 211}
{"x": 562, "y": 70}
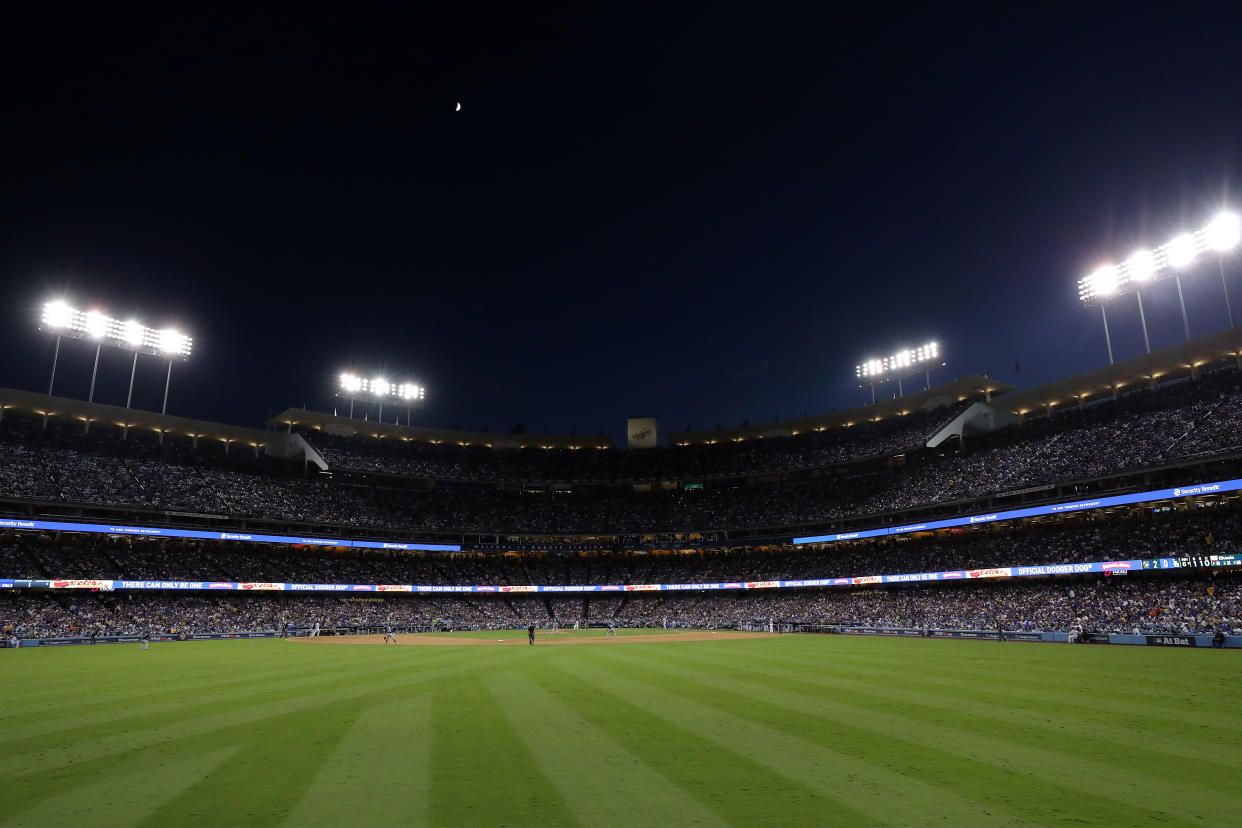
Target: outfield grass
{"x": 797, "y": 730}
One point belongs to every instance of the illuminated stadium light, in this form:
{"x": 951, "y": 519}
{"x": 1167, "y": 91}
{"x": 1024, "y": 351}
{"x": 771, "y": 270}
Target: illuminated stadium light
{"x": 63, "y": 320}
{"x": 1181, "y": 252}
{"x": 902, "y": 363}
{"x": 134, "y": 334}
{"x": 57, "y": 315}
{"x": 96, "y": 325}
{"x": 410, "y": 391}
{"x": 379, "y": 389}
{"x": 1141, "y": 265}
{"x": 1222, "y": 235}
{"x": 908, "y": 360}
{"x": 174, "y": 343}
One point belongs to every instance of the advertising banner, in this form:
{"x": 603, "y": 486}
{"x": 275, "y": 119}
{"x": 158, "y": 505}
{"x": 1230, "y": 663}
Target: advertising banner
{"x": 1014, "y": 514}
{"x": 196, "y": 534}
{"x": 903, "y": 631}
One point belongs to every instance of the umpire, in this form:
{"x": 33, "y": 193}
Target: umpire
{"x": 530, "y": 633}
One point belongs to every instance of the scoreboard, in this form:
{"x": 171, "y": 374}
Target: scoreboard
{"x": 1193, "y": 562}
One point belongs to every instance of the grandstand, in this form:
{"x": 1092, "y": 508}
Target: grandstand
{"x": 845, "y": 497}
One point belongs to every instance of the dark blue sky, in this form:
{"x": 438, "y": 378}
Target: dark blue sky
{"x": 705, "y": 216}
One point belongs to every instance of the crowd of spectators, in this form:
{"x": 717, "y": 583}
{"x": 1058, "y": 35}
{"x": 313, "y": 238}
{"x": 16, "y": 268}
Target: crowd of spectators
{"x": 1142, "y": 605}
{"x": 1150, "y": 604}
{"x": 59, "y": 463}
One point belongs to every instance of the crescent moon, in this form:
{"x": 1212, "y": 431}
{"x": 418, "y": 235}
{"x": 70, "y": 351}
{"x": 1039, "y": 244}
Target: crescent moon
{"x": 458, "y": 109}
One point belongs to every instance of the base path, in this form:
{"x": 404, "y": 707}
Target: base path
{"x": 519, "y": 638}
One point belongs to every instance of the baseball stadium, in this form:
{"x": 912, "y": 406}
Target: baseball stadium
{"x": 855, "y": 618}
{"x": 858, "y": 396}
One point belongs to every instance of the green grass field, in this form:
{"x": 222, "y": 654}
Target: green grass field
{"x": 796, "y": 730}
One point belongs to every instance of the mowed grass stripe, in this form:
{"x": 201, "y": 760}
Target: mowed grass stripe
{"x": 139, "y": 731}
{"x": 245, "y": 679}
{"x": 379, "y": 772}
{"x": 862, "y": 783}
{"x": 1200, "y": 704}
{"x": 1149, "y": 674}
{"x": 190, "y": 661}
{"x": 733, "y": 784}
{"x": 122, "y": 795}
{"x": 269, "y": 775}
{"x": 1001, "y": 770}
{"x": 601, "y": 782}
{"x": 1148, "y": 741}
{"x": 118, "y": 671}
{"x": 272, "y": 738}
{"x": 953, "y": 761}
{"x": 482, "y": 772}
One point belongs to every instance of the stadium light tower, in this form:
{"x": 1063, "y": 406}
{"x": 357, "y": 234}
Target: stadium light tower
{"x": 352, "y": 387}
{"x": 904, "y": 363}
{"x": 1219, "y": 237}
{"x": 64, "y": 321}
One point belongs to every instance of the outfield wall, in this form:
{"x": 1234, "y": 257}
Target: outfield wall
{"x": 69, "y": 641}
{"x": 1159, "y": 640}
{"x": 1162, "y": 640}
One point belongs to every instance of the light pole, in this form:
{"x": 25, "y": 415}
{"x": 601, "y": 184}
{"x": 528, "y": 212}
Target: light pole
{"x": 135, "y": 334}
{"x": 1107, "y": 339}
{"x": 64, "y": 321}
{"x": 58, "y": 317}
{"x": 1225, "y": 287}
{"x": 1138, "y": 294}
{"x": 55, "y": 357}
{"x": 132, "y": 372}
{"x": 1173, "y": 259}
{"x": 173, "y": 345}
{"x": 167, "y": 382}
{"x": 90, "y": 397}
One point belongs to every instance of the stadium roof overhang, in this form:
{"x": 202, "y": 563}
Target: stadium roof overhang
{"x": 128, "y": 418}
{"x": 1177, "y": 361}
{"x": 300, "y": 418}
{"x": 959, "y": 390}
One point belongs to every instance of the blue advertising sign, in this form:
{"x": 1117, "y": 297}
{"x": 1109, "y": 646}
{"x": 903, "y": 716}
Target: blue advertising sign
{"x": 1015, "y": 514}
{"x": 197, "y": 534}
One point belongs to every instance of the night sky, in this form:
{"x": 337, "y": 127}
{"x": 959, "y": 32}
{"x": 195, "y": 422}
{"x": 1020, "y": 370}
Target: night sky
{"x": 707, "y": 216}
